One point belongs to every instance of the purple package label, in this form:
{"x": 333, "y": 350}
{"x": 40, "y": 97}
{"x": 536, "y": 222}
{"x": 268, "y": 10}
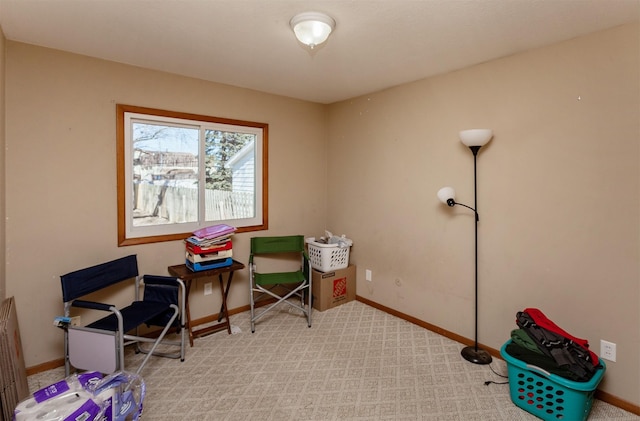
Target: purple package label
{"x": 89, "y": 379}
{"x": 127, "y": 405}
{"x": 51, "y": 391}
{"x": 88, "y": 411}
{"x": 108, "y": 412}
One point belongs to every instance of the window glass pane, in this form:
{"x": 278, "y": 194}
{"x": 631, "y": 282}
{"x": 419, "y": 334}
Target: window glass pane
{"x": 180, "y": 172}
{"x": 165, "y": 173}
{"x": 230, "y": 175}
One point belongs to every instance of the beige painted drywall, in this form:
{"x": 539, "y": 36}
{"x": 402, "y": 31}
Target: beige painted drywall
{"x": 61, "y": 172}
{"x": 558, "y": 195}
{"x": 558, "y": 192}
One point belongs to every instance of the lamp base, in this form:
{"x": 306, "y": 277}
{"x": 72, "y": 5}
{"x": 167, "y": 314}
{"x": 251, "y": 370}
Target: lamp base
{"x": 476, "y": 355}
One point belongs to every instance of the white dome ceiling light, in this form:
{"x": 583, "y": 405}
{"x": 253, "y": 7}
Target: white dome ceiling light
{"x": 312, "y": 28}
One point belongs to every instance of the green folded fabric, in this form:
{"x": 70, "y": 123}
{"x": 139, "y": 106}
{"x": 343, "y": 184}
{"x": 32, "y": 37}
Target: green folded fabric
{"x": 520, "y": 337}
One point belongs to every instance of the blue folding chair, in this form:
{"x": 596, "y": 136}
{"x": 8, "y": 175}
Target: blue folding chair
{"x": 99, "y": 346}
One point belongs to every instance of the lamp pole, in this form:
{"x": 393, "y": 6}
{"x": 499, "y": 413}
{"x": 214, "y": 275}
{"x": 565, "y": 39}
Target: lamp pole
{"x": 474, "y": 139}
{"x": 475, "y": 354}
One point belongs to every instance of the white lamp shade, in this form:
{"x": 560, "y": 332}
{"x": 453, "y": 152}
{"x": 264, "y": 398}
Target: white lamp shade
{"x": 312, "y": 28}
{"x": 445, "y": 194}
{"x": 476, "y": 137}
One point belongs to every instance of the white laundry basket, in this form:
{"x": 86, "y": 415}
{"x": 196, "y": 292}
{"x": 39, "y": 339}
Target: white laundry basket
{"x": 327, "y": 257}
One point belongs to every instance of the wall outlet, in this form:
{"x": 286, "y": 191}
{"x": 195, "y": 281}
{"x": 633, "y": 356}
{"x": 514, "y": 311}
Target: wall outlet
{"x": 208, "y": 288}
{"x": 367, "y": 275}
{"x": 608, "y": 350}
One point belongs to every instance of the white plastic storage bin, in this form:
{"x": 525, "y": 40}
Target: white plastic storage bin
{"x": 327, "y": 257}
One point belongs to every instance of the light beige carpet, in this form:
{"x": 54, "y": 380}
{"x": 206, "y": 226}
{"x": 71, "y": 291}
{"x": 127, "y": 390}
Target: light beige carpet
{"x": 354, "y": 363}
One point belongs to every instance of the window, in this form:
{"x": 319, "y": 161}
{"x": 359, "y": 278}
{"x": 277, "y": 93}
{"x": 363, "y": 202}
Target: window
{"x": 180, "y": 172}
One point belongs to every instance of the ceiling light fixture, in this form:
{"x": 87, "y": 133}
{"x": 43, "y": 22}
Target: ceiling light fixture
{"x": 312, "y": 28}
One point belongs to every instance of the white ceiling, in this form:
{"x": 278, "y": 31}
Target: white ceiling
{"x": 248, "y": 43}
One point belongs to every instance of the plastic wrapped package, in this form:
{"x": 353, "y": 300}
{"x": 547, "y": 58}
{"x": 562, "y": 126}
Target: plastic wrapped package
{"x": 88, "y": 397}
{"x": 342, "y": 241}
{"x": 123, "y": 394}
{"x": 68, "y": 399}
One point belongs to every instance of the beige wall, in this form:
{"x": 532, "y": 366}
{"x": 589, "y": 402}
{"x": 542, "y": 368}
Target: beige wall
{"x": 61, "y": 167}
{"x": 559, "y": 187}
{"x": 558, "y": 195}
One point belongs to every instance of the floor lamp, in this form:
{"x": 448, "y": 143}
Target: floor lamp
{"x": 474, "y": 139}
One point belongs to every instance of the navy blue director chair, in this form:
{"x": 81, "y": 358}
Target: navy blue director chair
{"x": 99, "y": 346}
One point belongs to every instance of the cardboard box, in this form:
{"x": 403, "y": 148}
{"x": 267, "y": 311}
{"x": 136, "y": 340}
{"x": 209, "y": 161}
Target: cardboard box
{"x": 13, "y": 375}
{"x": 330, "y": 289}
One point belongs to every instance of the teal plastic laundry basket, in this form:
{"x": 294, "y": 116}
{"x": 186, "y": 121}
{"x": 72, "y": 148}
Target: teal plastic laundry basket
{"x": 549, "y": 396}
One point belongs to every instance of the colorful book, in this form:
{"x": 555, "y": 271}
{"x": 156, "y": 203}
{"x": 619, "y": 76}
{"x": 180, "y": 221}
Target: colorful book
{"x": 197, "y": 258}
{"x": 214, "y": 231}
{"x": 209, "y": 242}
{"x": 213, "y": 264}
{"x": 197, "y": 247}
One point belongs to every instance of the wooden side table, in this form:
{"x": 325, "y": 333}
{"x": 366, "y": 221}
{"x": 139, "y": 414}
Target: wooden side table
{"x": 187, "y": 275}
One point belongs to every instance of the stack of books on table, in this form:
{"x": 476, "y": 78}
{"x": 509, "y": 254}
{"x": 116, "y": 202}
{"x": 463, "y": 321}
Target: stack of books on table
{"x": 210, "y": 248}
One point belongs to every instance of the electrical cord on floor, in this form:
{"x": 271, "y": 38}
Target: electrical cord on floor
{"x": 488, "y": 382}
{"x": 498, "y": 374}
